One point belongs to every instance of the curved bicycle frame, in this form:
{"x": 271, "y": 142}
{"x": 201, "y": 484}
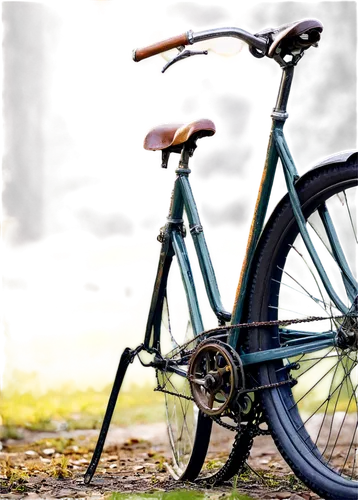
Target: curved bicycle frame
{"x": 172, "y": 239}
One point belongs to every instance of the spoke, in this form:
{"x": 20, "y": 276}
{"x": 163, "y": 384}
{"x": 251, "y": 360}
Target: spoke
{"x": 314, "y": 385}
{"x": 332, "y": 420}
{"x": 340, "y": 428}
{"x": 288, "y": 310}
{"x": 329, "y": 397}
{"x": 308, "y": 265}
{"x": 350, "y": 217}
{"x": 300, "y": 289}
{"x": 184, "y": 413}
{"x": 353, "y": 395}
{"x": 326, "y": 356}
{"x": 316, "y": 359}
{"x": 318, "y": 299}
{"x": 326, "y": 410}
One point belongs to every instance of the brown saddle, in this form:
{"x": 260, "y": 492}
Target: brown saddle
{"x": 306, "y": 31}
{"x": 169, "y": 136}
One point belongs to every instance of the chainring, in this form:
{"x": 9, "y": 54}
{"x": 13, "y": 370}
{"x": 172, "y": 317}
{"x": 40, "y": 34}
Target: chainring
{"x": 216, "y": 376}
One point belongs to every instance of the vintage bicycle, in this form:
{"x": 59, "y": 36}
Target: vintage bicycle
{"x": 284, "y": 362}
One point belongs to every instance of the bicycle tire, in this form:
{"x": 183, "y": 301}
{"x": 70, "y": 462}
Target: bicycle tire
{"x": 282, "y": 416}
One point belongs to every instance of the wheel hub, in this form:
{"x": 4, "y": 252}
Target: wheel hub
{"x": 347, "y": 335}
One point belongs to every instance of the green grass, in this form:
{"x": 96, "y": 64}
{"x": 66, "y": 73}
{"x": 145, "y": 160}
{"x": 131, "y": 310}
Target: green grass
{"x": 55, "y": 379}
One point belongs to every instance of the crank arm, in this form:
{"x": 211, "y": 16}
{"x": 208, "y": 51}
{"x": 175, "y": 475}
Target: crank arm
{"x": 183, "y": 54}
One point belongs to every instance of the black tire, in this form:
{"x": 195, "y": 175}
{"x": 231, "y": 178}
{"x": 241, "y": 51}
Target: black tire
{"x": 284, "y": 418}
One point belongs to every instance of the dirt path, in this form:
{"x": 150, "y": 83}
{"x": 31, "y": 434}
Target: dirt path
{"x": 51, "y": 465}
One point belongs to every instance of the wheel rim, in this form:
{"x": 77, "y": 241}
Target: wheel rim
{"x": 323, "y": 406}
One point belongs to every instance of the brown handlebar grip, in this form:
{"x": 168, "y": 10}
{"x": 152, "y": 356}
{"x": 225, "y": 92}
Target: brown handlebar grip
{"x": 157, "y": 48}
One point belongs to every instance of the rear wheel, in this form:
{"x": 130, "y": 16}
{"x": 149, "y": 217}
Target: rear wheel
{"x": 314, "y": 423}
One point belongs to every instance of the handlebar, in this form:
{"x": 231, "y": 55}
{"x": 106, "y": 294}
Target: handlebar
{"x": 157, "y": 48}
{"x": 256, "y": 43}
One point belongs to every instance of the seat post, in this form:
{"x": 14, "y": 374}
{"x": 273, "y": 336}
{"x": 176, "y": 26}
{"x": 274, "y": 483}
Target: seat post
{"x": 186, "y": 153}
{"x": 284, "y": 91}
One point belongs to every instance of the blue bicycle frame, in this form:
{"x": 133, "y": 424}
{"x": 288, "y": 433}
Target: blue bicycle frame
{"x": 172, "y": 239}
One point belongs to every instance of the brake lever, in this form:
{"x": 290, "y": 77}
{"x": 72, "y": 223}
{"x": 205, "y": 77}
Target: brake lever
{"x": 183, "y": 54}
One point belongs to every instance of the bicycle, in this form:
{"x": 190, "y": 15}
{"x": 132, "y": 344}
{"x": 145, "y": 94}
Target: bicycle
{"x": 257, "y": 372}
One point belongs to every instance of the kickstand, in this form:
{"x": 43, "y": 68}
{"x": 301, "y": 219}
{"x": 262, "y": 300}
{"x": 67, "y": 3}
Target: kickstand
{"x": 127, "y": 357}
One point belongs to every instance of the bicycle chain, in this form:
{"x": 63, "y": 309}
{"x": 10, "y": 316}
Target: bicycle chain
{"x": 160, "y": 388}
{"x": 251, "y": 428}
{"x": 251, "y": 431}
{"x": 254, "y": 324}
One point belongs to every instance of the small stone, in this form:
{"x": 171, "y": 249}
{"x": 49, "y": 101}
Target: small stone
{"x": 31, "y": 453}
{"x": 49, "y": 451}
{"x": 83, "y": 461}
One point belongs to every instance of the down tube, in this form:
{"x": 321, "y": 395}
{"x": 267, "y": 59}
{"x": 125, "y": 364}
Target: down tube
{"x": 257, "y": 223}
